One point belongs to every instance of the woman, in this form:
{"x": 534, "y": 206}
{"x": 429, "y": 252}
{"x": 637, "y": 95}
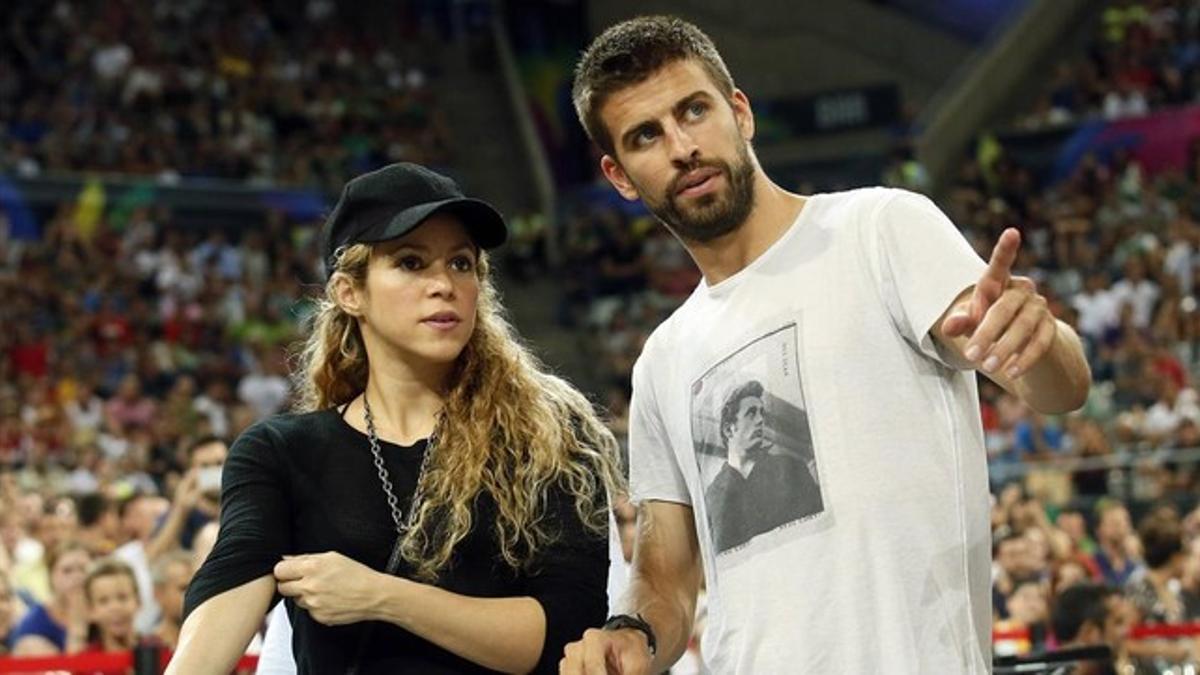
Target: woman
{"x": 428, "y": 439}
{"x": 60, "y": 626}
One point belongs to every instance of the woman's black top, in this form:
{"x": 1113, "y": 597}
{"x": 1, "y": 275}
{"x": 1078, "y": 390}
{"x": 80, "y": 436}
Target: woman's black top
{"x": 306, "y": 483}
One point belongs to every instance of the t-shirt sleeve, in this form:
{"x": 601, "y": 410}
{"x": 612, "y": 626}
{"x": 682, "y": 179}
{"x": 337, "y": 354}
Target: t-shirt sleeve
{"x": 255, "y": 530}
{"x": 653, "y": 470}
{"x": 569, "y": 579}
{"x": 924, "y": 263}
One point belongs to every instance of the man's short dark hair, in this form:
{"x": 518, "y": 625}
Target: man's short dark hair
{"x": 126, "y": 502}
{"x": 1076, "y": 606}
{"x": 729, "y": 411}
{"x": 91, "y": 507}
{"x": 203, "y": 441}
{"x": 630, "y": 52}
{"x": 1162, "y": 539}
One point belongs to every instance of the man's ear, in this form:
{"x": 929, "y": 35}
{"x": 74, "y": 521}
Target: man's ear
{"x": 616, "y": 175}
{"x": 743, "y": 113}
{"x": 347, "y": 295}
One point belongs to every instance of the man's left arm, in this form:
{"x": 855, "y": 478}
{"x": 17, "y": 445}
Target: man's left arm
{"x": 1003, "y": 327}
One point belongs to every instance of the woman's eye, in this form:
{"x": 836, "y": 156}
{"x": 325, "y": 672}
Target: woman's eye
{"x": 410, "y": 262}
{"x": 463, "y": 264}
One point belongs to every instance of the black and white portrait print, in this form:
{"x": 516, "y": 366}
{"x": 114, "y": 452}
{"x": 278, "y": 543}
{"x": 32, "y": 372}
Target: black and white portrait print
{"x": 753, "y": 443}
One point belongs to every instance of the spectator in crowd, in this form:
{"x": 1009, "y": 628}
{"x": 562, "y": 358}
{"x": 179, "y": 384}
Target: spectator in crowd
{"x": 99, "y": 523}
{"x": 112, "y": 599}
{"x": 1089, "y": 615}
{"x": 60, "y": 625}
{"x": 147, "y": 543}
{"x": 171, "y": 575}
{"x": 1156, "y": 593}
{"x": 1113, "y": 556}
{"x": 1027, "y": 609}
{"x": 206, "y": 460}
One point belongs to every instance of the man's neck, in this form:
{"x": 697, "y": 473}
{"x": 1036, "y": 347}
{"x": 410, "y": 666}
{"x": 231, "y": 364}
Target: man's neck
{"x": 743, "y": 462}
{"x": 775, "y": 209}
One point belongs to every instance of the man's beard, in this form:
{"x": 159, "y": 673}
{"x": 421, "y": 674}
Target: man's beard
{"x": 715, "y": 214}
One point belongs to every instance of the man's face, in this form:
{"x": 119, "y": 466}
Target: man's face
{"x": 1013, "y": 556}
{"x": 746, "y": 431}
{"x": 1118, "y": 621}
{"x": 209, "y": 455}
{"x": 169, "y": 593}
{"x": 683, "y": 148}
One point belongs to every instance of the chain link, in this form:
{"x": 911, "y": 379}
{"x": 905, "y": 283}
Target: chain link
{"x": 402, "y": 525}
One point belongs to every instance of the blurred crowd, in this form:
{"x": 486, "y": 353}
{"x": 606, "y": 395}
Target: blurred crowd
{"x": 1143, "y": 55}
{"x": 1064, "y": 577}
{"x": 120, "y": 388}
{"x": 122, "y": 384}
{"x": 272, "y": 93}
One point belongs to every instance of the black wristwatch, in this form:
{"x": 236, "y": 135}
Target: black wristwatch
{"x": 637, "y": 623}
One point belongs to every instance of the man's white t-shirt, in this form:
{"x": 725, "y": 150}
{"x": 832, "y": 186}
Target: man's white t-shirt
{"x": 864, "y": 547}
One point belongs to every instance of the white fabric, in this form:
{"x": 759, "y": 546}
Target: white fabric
{"x": 267, "y": 394}
{"x": 276, "y": 657}
{"x": 1164, "y": 418}
{"x": 1142, "y": 296}
{"x": 1179, "y": 262}
{"x": 890, "y": 572}
{"x": 1098, "y": 311}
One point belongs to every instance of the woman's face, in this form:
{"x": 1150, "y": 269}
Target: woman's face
{"x": 69, "y": 571}
{"x": 113, "y": 602}
{"x": 419, "y": 298}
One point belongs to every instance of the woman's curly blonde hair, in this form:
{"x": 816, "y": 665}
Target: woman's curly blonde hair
{"x": 508, "y": 429}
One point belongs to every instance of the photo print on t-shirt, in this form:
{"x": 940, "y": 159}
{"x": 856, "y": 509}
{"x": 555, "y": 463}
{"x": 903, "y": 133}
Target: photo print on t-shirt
{"x": 753, "y": 442}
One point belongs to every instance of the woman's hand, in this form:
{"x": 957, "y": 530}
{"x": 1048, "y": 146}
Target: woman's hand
{"x": 334, "y": 589}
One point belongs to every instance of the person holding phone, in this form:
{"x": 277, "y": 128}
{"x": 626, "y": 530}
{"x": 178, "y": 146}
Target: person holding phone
{"x": 439, "y": 502}
{"x": 206, "y": 456}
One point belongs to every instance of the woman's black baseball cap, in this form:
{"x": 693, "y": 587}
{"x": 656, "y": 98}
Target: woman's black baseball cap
{"x": 392, "y": 201}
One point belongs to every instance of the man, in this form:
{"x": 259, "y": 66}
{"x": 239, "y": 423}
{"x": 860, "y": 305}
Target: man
{"x": 869, "y": 311}
{"x": 171, "y": 575}
{"x": 756, "y": 490}
{"x": 1091, "y": 615}
{"x": 206, "y": 459}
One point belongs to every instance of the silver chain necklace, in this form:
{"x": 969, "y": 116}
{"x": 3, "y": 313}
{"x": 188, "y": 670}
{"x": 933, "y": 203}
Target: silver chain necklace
{"x": 402, "y": 525}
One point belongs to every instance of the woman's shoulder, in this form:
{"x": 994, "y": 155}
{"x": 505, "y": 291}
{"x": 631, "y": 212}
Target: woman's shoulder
{"x": 286, "y": 429}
